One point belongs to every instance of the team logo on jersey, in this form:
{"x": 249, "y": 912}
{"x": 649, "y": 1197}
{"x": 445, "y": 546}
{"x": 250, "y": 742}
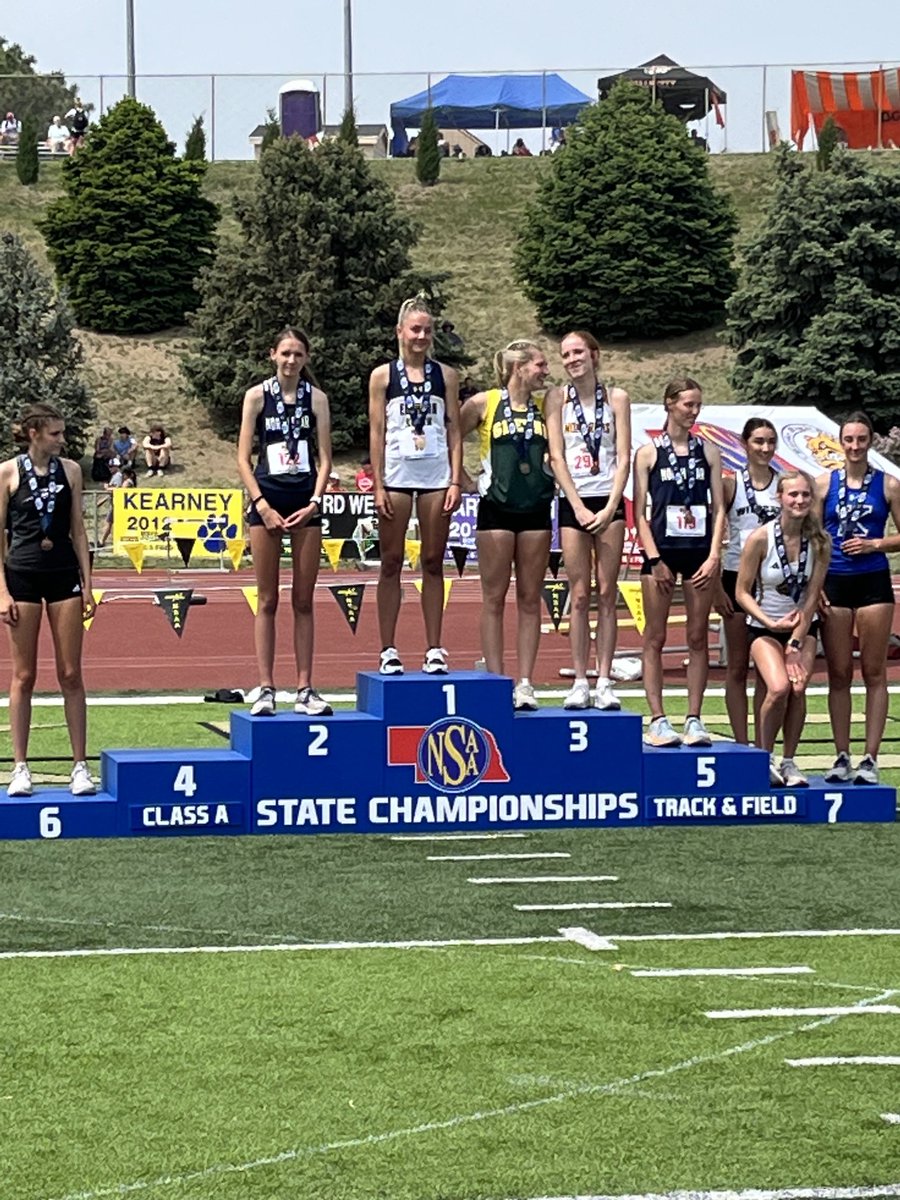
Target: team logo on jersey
{"x": 451, "y": 755}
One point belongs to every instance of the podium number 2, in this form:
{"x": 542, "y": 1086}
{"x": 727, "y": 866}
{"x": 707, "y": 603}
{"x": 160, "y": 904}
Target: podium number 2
{"x": 317, "y": 747}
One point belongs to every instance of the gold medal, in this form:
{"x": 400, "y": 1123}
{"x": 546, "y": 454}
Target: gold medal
{"x": 595, "y": 468}
{"x": 46, "y": 544}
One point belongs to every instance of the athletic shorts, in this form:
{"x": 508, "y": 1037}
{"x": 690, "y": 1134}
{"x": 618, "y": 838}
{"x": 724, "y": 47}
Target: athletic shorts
{"x": 35, "y": 587}
{"x": 729, "y": 587}
{"x": 594, "y": 503}
{"x": 285, "y": 503}
{"x": 680, "y": 562}
{"x": 782, "y": 636}
{"x": 492, "y": 516}
{"x": 416, "y": 491}
{"x": 859, "y": 591}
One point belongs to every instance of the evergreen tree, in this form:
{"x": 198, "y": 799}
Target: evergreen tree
{"x": 40, "y": 358}
{"x": 27, "y": 165}
{"x": 132, "y": 229}
{"x": 348, "y": 132}
{"x": 322, "y": 245}
{"x": 26, "y": 92}
{"x": 271, "y": 131}
{"x": 829, "y": 140}
{"x": 428, "y": 156}
{"x": 816, "y": 318}
{"x": 627, "y": 237}
{"x": 195, "y": 143}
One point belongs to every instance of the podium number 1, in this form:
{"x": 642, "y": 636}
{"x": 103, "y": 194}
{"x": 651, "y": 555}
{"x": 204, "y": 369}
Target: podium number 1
{"x": 449, "y": 690}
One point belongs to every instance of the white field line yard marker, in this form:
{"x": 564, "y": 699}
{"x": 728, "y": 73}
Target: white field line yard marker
{"x": 612, "y": 1088}
{"x": 453, "y": 837}
{"x": 683, "y": 972}
{"x": 587, "y": 904}
{"x": 544, "y": 879}
{"x": 584, "y": 937}
{"x": 483, "y": 857}
{"x": 858, "y": 1060}
{"x": 892, "y": 1119}
{"x": 843, "y": 1010}
{"x": 731, "y": 935}
{"x": 796, "y": 1193}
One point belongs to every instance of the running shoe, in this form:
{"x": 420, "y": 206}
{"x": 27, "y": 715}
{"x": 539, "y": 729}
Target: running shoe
{"x": 524, "y": 698}
{"x": 81, "y": 783}
{"x": 435, "y": 661}
{"x": 264, "y": 705}
{"x": 310, "y": 704}
{"x": 150, "y": 473}
{"x": 696, "y": 733}
{"x": 390, "y": 663}
{"x": 605, "y": 698}
{"x": 661, "y": 733}
{"x": 842, "y": 771}
{"x": 776, "y": 779}
{"x": 791, "y": 774}
{"x": 867, "y": 771}
{"x": 579, "y": 695}
{"x": 20, "y": 783}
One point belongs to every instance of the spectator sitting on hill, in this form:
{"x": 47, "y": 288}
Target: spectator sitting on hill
{"x": 122, "y": 477}
{"x": 78, "y": 123}
{"x": 157, "y": 447}
{"x": 10, "y": 129}
{"x": 520, "y": 150}
{"x": 451, "y": 337}
{"x": 104, "y": 453}
{"x": 125, "y": 446}
{"x": 57, "y": 136}
{"x": 334, "y": 483}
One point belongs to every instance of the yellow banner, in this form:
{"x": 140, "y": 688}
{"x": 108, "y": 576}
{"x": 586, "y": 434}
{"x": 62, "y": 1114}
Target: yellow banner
{"x": 154, "y": 517}
{"x": 235, "y": 552}
{"x": 448, "y": 584}
{"x": 135, "y": 551}
{"x": 631, "y": 594}
{"x": 96, "y": 596}
{"x": 333, "y": 548}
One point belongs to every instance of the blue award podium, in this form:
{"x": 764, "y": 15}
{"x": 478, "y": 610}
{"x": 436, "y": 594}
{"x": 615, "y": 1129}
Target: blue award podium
{"x": 432, "y": 754}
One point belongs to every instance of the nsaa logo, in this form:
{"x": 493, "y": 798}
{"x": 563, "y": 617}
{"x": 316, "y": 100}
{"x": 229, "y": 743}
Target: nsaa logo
{"x": 452, "y": 755}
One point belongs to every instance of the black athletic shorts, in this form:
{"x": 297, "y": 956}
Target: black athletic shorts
{"x": 285, "y": 502}
{"x": 680, "y": 562}
{"x": 729, "y": 587}
{"x": 416, "y": 491}
{"x": 859, "y": 591}
{"x": 594, "y": 503}
{"x": 34, "y": 587}
{"x": 492, "y": 516}
{"x": 782, "y": 636}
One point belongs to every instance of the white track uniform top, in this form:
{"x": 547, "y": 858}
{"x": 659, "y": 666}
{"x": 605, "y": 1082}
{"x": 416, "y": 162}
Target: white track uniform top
{"x": 417, "y": 461}
{"x": 578, "y": 458}
{"x": 772, "y": 594}
{"x": 742, "y": 520}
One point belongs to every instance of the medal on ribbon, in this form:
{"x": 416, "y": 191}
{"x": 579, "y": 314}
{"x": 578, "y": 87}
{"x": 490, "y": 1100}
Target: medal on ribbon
{"x": 44, "y": 499}
{"x": 794, "y": 582}
{"x": 291, "y": 423}
{"x": 592, "y": 437}
{"x": 849, "y": 516}
{"x": 417, "y": 407}
{"x": 762, "y": 513}
{"x": 684, "y": 480}
{"x": 520, "y": 440}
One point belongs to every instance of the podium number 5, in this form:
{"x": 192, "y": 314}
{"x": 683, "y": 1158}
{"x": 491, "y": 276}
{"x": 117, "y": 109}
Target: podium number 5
{"x": 706, "y": 771}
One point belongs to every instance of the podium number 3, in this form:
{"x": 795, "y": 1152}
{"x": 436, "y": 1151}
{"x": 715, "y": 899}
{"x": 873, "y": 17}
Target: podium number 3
{"x": 578, "y": 731}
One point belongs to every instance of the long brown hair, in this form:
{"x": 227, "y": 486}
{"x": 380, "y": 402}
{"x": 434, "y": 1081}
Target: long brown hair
{"x": 36, "y": 416}
{"x": 294, "y": 331}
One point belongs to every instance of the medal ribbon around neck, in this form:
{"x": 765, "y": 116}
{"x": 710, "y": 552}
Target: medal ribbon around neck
{"x": 417, "y": 408}
{"x": 762, "y": 513}
{"x": 684, "y": 480}
{"x": 795, "y": 582}
{"x": 847, "y": 516}
{"x": 520, "y": 440}
{"x": 44, "y": 508}
{"x": 290, "y": 422}
{"x": 591, "y": 439}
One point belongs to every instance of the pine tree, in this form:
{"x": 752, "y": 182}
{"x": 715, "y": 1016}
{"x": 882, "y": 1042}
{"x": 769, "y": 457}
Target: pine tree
{"x": 195, "y": 143}
{"x": 829, "y": 140}
{"x": 27, "y": 165}
{"x": 348, "y": 133}
{"x": 816, "y": 317}
{"x": 628, "y": 237}
{"x": 322, "y": 245}
{"x": 132, "y": 229}
{"x": 40, "y": 358}
{"x": 428, "y": 156}
{"x": 271, "y": 131}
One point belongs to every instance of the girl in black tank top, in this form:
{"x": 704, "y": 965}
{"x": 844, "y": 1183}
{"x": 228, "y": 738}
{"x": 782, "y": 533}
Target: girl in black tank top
{"x": 46, "y": 561}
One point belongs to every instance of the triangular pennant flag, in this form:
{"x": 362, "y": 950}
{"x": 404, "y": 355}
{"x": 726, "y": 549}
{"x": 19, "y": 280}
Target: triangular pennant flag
{"x": 97, "y": 596}
{"x": 135, "y": 551}
{"x": 460, "y": 554}
{"x": 235, "y": 551}
{"x": 555, "y": 560}
{"x": 332, "y": 548}
{"x": 413, "y": 551}
{"x": 175, "y": 603}
{"x": 251, "y": 595}
{"x": 185, "y": 548}
{"x": 448, "y": 584}
{"x": 634, "y": 599}
{"x": 556, "y": 596}
{"x": 349, "y": 597}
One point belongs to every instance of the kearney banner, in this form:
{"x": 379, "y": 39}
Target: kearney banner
{"x": 155, "y": 517}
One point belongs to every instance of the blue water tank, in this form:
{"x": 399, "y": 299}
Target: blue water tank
{"x": 299, "y": 109}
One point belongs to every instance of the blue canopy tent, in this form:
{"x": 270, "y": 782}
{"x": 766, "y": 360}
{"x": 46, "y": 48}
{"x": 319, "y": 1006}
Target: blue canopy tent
{"x": 489, "y": 102}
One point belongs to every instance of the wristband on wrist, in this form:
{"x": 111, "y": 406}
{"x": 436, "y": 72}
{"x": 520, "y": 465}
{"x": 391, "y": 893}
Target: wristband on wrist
{"x": 317, "y": 500}
{"x": 454, "y": 483}
{"x": 651, "y": 562}
{"x": 254, "y": 500}
{"x": 795, "y": 644}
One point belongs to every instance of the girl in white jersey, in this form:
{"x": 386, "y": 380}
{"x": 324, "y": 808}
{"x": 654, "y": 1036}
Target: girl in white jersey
{"x": 779, "y": 584}
{"x": 589, "y": 430}
{"x": 750, "y": 501}
{"x": 416, "y": 451}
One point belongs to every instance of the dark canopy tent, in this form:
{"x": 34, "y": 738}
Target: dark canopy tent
{"x": 681, "y": 93}
{"x": 490, "y": 102}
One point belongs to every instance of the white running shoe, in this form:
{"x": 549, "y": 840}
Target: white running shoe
{"x": 310, "y": 704}
{"x": 20, "y": 783}
{"x": 867, "y": 771}
{"x": 264, "y": 705}
{"x": 842, "y": 771}
{"x": 661, "y": 733}
{"x": 81, "y": 783}
{"x": 791, "y": 774}
{"x": 150, "y": 473}
{"x": 524, "y": 698}
{"x": 579, "y": 696}
{"x": 605, "y": 698}
{"x": 776, "y": 779}
{"x": 435, "y": 661}
{"x": 390, "y": 663}
{"x": 696, "y": 733}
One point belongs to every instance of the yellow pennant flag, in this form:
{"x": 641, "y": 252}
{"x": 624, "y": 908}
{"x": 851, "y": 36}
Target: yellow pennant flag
{"x": 413, "y": 552}
{"x": 251, "y": 595}
{"x": 96, "y": 595}
{"x": 135, "y": 551}
{"x": 448, "y": 584}
{"x": 631, "y": 594}
{"x": 235, "y": 551}
{"x": 333, "y": 548}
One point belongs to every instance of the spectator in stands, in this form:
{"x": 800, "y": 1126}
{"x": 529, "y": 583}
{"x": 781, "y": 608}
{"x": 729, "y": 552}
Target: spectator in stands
{"x": 334, "y": 482}
{"x": 520, "y": 150}
{"x": 157, "y": 446}
{"x": 557, "y": 137}
{"x": 365, "y": 477}
{"x": 10, "y": 129}
{"x": 451, "y": 337}
{"x": 78, "y": 124}
{"x": 443, "y": 146}
{"x": 104, "y": 453}
{"x": 57, "y": 136}
{"x": 125, "y": 446}
{"x": 122, "y": 477}
{"x": 483, "y": 151}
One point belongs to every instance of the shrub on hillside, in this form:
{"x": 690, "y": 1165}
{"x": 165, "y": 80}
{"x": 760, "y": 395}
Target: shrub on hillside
{"x": 816, "y": 318}
{"x": 27, "y": 165}
{"x": 132, "y": 229}
{"x": 348, "y": 132}
{"x": 428, "y": 156}
{"x": 40, "y": 358}
{"x": 322, "y": 244}
{"x": 627, "y": 236}
{"x": 195, "y": 143}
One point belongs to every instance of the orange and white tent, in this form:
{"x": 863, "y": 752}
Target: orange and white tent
{"x": 864, "y": 104}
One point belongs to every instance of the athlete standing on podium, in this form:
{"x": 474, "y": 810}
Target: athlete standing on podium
{"x": 45, "y": 560}
{"x": 416, "y": 451}
{"x": 289, "y": 419}
{"x": 590, "y": 451}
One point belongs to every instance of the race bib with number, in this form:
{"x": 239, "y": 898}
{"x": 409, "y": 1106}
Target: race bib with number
{"x": 419, "y": 445}
{"x": 280, "y": 462}
{"x": 684, "y": 522}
